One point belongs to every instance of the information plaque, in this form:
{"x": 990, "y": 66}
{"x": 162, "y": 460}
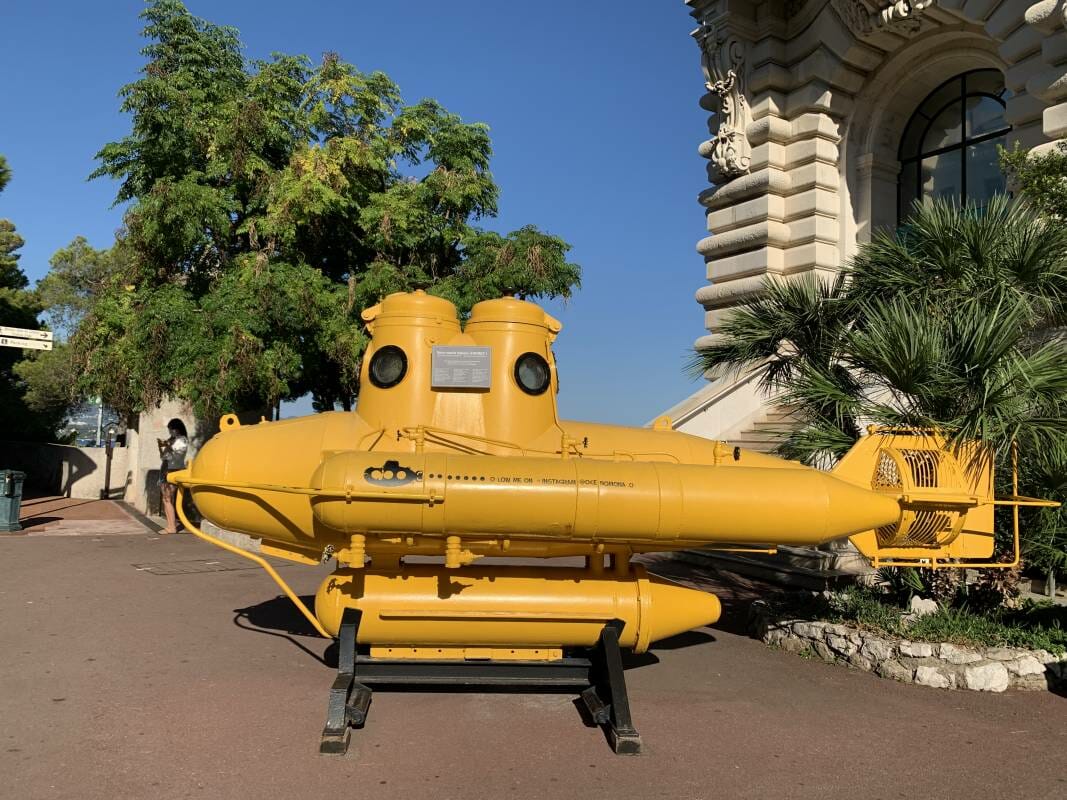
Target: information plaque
{"x": 460, "y": 367}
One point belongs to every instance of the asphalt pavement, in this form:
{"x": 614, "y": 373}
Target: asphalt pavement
{"x": 134, "y": 665}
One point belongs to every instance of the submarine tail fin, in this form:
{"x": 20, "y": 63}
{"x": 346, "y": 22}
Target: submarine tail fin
{"x": 946, "y": 496}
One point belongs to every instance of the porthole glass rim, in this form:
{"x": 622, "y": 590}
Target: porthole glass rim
{"x": 544, "y": 363}
{"x": 403, "y": 371}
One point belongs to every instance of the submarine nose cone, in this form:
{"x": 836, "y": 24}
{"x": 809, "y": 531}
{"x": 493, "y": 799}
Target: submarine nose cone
{"x": 676, "y": 609}
{"x": 853, "y": 509}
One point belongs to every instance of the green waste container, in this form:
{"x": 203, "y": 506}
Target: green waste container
{"x": 10, "y": 499}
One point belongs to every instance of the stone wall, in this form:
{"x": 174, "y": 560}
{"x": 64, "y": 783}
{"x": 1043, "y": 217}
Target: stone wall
{"x": 808, "y": 101}
{"x": 940, "y": 665}
{"x": 65, "y": 470}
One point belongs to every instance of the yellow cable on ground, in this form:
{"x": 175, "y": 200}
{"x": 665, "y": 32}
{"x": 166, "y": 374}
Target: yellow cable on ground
{"x": 254, "y": 558}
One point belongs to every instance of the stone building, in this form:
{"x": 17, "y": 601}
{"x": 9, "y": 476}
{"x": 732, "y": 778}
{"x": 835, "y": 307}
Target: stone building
{"x": 829, "y": 117}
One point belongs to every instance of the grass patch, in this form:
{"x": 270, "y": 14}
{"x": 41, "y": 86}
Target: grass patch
{"x": 1035, "y": 626}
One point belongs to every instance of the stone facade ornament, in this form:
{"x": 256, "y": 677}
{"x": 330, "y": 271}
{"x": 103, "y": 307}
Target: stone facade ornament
{"x": 723, "y": 62}
{"x": 899, "y": 17}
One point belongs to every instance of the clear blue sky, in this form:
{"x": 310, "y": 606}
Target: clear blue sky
{"x": 593, "y": 115}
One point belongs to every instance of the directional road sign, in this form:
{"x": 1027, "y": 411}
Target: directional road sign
{"x": 25, "y": 338}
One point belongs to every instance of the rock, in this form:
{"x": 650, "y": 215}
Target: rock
{"x": 894, "y": 670}
{"x": 793, "y": 644}
{"x": 916, "y": 649}
{"x": 987, "y": 676}
{"x": 957, "y": 655}
{"x": 931, "y": 676}
{"x": 1030, "y": 683}
{"x": 1025, "y": 665}
{"x": 824, "y": 652}
{"x": 859, "y": 662}
{"x": 921, "y": 607}
{"x": 810, "y": 630}
{"x": 876, "y": 649}
{"x": 774, "y": 635}
{"x": 841, "y": 644}
{"x": 1044, "y": 656}
{"x": 1003, "y": 653}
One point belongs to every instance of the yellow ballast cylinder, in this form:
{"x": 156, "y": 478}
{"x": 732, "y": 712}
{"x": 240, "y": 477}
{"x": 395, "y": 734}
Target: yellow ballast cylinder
{"x": 586, "y": 499}
{"x": 427, "y": 605}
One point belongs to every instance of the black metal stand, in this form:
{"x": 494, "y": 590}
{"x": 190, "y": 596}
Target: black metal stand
{"x": 599, "y": 678}
{"x": 606, "y": 697}
{"x": 349, "y": 700}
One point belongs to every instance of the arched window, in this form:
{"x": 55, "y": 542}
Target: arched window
{"x": 949, "y": 148}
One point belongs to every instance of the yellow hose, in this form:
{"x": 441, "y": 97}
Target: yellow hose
{"x": 254, "y": 558}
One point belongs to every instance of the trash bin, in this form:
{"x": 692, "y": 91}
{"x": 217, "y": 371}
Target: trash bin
{"x": 10, "y": 499}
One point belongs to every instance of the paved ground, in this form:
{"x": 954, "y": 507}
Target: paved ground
{"x": 136, "y": 666}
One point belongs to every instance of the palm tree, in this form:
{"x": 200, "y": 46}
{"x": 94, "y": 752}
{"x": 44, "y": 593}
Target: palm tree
{"x": 951, "y": 322}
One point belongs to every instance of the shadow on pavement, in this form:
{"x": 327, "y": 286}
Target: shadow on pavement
{"x": 279, "y": 617}
{"x": 33, "y": 522}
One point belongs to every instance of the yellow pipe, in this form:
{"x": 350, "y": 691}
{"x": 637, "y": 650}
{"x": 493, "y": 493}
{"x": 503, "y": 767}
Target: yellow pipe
{"x": 254, "y": 558}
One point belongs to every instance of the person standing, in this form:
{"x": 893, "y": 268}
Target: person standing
{"x": 172, "y": 451}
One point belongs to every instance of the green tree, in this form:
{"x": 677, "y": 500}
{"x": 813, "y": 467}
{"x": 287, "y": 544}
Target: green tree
{"x": 18, "y": 309}
{"x": 78, "y": 274}
{"x": 270, "y": 203}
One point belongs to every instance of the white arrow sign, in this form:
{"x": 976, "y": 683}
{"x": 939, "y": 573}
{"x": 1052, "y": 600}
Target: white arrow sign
{"x": 25, "y": 333}
{"x": 29, "y": 344}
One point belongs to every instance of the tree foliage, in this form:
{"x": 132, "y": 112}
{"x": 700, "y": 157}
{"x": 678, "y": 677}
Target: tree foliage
{"x": 78, "y": 274}
{"x": 19, "y": 308}
{"x": 270, "y": 203}
{"x": 1041, "y": 179}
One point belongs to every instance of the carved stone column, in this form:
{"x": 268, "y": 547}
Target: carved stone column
{"x": 722, "y": 57}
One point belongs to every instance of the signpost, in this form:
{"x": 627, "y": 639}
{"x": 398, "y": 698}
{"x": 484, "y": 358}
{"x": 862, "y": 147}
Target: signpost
{"x": 25, "y": 338}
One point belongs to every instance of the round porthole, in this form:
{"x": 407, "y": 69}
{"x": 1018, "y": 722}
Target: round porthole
{"x": 532, "y": 373}
{"x": 388, "y": 367}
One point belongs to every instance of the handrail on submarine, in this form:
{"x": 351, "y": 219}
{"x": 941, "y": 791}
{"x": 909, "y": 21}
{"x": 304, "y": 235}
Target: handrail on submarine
{"x": 253, "y": 558}
{"x": 341, "y": 494}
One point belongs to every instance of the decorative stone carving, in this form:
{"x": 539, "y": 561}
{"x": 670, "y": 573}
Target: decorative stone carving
{"x": 723, "y": 62}
{"x": 898, "y": 17}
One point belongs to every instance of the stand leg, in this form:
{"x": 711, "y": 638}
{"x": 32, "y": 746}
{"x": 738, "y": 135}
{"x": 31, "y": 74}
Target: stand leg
{"x": 610, "y": 690}
{"x": 349, "y": 700}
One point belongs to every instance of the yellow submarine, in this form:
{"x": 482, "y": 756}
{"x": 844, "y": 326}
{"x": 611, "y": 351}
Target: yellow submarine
{"x": 456, "y": 451}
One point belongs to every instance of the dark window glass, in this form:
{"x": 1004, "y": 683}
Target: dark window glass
{"x": 949, "y": 147}
{"x": 984, "y": 178}
{"x": 532, "y": 373}
{"x": 944, "y": 130}
{"x": 388, "y": 367}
